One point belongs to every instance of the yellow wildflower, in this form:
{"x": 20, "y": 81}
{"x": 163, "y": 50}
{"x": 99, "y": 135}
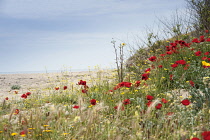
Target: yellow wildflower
{"x": 123, "y": 44}
{"x": 206, "y": 78}
{"x": 204, "y": 63}
{"x": 47, "y": 131}
{"x": 23, "y": 135}
{"x": 14, "y": 134}
{"x": 31, "y": 128}
{"x": 65, "y": 134}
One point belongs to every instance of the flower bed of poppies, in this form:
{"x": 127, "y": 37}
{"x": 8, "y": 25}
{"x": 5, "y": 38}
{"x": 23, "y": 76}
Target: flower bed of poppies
{"x": 170, "y": 100}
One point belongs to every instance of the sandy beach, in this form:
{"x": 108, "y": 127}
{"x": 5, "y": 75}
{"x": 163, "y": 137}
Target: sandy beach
{"x": 33, "y": 81}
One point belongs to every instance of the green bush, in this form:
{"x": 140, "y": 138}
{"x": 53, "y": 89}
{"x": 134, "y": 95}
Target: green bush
{"x": 15, "y": 87}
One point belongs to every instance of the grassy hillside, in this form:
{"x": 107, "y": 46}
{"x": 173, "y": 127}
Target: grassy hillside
{"x": 168, "y": 100}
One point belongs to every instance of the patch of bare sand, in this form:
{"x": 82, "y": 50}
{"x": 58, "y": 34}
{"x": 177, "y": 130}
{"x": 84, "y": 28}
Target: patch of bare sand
{"x": 32, "y": 81}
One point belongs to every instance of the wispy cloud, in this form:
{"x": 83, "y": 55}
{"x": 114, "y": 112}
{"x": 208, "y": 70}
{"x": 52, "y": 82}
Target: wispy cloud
{"x": 36, "y": 9}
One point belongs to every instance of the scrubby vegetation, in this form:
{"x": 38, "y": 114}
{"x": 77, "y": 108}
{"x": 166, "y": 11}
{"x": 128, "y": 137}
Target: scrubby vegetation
{"x": 15, "y": 87}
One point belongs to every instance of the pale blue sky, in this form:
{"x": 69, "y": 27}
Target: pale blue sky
{"x": 39, "y": 34}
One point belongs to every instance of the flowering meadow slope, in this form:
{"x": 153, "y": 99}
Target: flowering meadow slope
{"x": 169, "y": 101}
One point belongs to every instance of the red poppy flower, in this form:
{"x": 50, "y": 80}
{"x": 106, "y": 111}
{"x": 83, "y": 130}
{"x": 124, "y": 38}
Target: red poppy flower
{"x": 202, "y": 39}
{"x": 125, "y": 84}
{"x": 208, "y": 39}
{"x": 76, "y": 106}
{"x": 17, "y": 111}
{"x": 204, "y": 58}
{"x": 23, "y": 132}
{"x": 198, "y": 53}
{"x": 195, "y": 139}
{"x": 24, "y": 123}
{"x": 122, "y": 108}
{"x": 6, "y": 98}
{"x": 185, "y": 102}
{"x": 149, "y": 97}
{"x": 169, "y": 52}
{"x": 147, "y": 70}
{"x": 116, "y": 87}
{"x": 192, "y": 83}
{"x": 126, "y": 101}
{"x": 160, "y": 66}
{"x": 137, "y": 83}
{"x": 24, "y": 96}
{"x": 206, "y": 66}
{"x": 65, "y": 87}
{"x": 153, "y": 58}
{"x": 195, "y": 40}
{"x": 206, "y": 135}
{"x": 158, "y": 106}
{"x": 145, "y": 76}
{"x": 162, "y": 55}
{"x": 149, "y": 103}
{"x": 174, "y": 65}
{"x": 93, "y": 102}
{"x": 206, "y": 31}
{"x": 84, "y": 91}
{"x": 56, "y": 88}
{"x": 168, "y": 48}
{"x": 164, "y": 100}
{"x": 115, "y": 107}
{"x": 28, "y": 93}
{"x": 171, "y": 77}
{"x": 82, "y": 82}
{"x": 182, "y": 62}
{"x": 206, "y": 53}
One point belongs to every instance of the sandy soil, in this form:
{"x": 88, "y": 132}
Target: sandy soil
{"x": 30, "y": 81}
